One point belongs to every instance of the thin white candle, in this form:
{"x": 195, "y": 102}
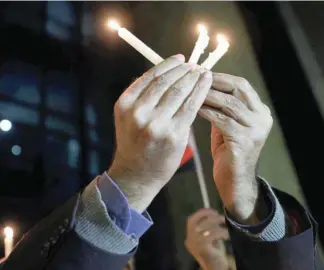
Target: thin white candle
{"x": 8, "y": 241}
{"x": 201, "y": 44}
{"x": 137, "y": 44}
{"x": 218, "y": 53}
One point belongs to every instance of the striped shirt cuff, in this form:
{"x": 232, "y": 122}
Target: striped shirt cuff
{"x": 94, "y": 224}
{"x": 273, "y": 228}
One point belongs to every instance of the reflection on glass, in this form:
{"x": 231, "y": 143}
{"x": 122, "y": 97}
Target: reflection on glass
{"x": 73, "y": 153}
{"x": 61, "y": 19}
{"x": 94, "y": 163}
{"x": 19, "y": 113}
{"x": 54, "y": 123}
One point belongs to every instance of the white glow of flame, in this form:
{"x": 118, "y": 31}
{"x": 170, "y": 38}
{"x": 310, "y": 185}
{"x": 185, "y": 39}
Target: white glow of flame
{"x": 8, "y": 232}
{"x": 202, "y": 28}
{"x": 113, "y": 24}
{"x": 222, "y": 39}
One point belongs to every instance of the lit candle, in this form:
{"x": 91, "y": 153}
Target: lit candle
{"x": 201, "y": 44}
{"x": 137, "y": 44}
{"x": 217, "y": 54}
{"x": 8, "y": 241}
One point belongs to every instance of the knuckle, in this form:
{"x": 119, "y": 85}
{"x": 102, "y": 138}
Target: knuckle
{"x": 267, "y": 109}
{"x": 173, "y": 140}
{"x": 160, "y": 81}
{"x": 176, "y": 90}
{"x": 121, "y": 105}
{"x": 189, "y": 105}
{"x": 230, "y": 122}
{"x": 152, "y": 130}
{"x": 269, "y": 122}
{"x": 134, "y": 79}
{"x": 243, "y": 84}
{"x": 138, "y": 118}
{"x": 148, "y": 76}
{"x": 117, "y": 107}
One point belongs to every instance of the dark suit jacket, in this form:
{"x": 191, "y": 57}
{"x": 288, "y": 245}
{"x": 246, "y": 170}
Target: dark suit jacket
{"x": 53, "y": 245}
{"x": 291, "y": 253}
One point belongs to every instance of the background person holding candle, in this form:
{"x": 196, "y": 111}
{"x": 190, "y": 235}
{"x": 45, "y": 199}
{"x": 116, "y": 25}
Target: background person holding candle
{"x": 100, "y": 227}
{"x": 205, "y": 229}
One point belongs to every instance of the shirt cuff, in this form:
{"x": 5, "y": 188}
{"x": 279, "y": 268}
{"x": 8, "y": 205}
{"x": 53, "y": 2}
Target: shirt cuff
{"x": 107, "y": 222}
{"x": 126, "y": 218}
{"x": 273, "y": 228}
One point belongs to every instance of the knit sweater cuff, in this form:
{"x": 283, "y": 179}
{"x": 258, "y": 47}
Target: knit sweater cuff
{"x": 273, "y": 228}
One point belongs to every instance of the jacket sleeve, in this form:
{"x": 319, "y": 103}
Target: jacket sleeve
{"x": 54, "y": 244}
{"x": 292, "y": 252}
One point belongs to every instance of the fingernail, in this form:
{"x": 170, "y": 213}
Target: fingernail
{"x": 207, "y": 75}
{"x": 179, "y": 57}
{"x": 192, "y": 65}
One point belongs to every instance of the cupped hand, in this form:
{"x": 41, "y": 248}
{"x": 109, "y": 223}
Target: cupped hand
{"x": 240, "y": 126}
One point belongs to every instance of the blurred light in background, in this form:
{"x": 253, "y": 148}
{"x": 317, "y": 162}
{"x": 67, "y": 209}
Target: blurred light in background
{"x": 16, "y": 150}
{"x": 5, "y": 125}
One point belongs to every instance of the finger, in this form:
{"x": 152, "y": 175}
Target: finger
{"x": 199, "y": 215}
{"x": 219, "y": 234}
{"x": 158, "y": 87}
{"x": 230, "y": 106}
{"x": 211, "y": 219}
{"x": 189, "y": 109}
{"x": 209, "y": 224}
{"x": 176, "y": 95}
{"x": 238, "y": 87}
{"x": 128, "y": 98}
{"x": 225, "y": 124}
{"x": 215, "y": 235}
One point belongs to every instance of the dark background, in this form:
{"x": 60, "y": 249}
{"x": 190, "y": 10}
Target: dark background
{"x": 58, "y": 84}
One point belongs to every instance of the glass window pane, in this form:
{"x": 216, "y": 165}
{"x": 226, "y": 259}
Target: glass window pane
{"x": 20, "y": 81}
{"x": 61, "y": 92}
{"x": 61, "y": 11}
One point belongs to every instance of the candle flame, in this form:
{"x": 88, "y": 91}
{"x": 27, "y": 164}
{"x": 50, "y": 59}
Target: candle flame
{"x": 113, "y": 24}
{"x": 8, "y": 232}
{"x": 202, "y": 28}
{"x": 222, "y": 39}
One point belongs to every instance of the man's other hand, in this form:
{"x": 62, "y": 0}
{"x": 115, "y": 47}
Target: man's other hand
{"x": 240, "y": 126}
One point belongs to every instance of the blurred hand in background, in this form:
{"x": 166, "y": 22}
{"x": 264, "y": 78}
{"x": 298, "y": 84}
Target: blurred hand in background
{"x": 205, "y": 230}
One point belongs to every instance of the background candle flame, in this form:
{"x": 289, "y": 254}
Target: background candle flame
{"x": 8, "y": 232}
{"x": 113, "y": 24}
{"x": 222, "y": 39}
{"x": 202, "y": 28}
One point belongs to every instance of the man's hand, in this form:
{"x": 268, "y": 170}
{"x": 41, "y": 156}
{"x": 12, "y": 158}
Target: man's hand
{"x": 204, "y": 231}
{"x": 240, "y": 126}
{"x": 153, "y": 118}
